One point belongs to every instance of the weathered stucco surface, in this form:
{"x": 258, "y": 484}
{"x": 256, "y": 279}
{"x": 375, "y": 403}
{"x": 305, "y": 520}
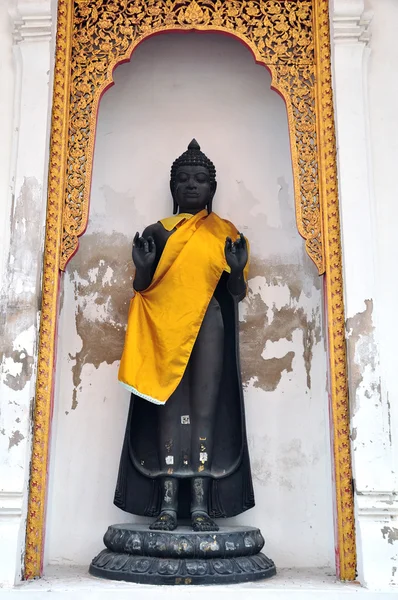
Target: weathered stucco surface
{"x": 20, "y": 303}
{"x": 101, "y": 273}
{"x": 371, "y": 432}
{"x": 362, "y": 356}
{"x": 264, "y": 325}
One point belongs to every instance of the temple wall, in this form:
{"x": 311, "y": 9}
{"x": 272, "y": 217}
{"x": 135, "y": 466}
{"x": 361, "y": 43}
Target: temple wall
{"x": 175, "y": 88}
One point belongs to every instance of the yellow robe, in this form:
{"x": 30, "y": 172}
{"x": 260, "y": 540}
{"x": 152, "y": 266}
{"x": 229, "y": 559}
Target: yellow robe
{"x": 164, "y": 320}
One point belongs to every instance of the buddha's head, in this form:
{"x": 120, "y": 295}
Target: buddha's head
{"x": 192, "y": 181}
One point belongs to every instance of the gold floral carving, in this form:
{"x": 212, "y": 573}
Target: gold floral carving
{"x": 291, "y": 38}
{"x": 334, "y": 294}
{"x": 280, "y": 35}
{"x": 50, "y": 289}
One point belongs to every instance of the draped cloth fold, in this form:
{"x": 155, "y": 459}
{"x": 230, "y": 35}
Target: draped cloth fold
{"x": 164, "y": 320}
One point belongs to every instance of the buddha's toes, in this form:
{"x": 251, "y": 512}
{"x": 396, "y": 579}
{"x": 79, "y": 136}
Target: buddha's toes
{"x": 166, "y": 521}
{"x": 202, "y": 522}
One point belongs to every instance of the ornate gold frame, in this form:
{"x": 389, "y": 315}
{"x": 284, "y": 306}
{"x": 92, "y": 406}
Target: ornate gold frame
{"x": 291, "y": 39}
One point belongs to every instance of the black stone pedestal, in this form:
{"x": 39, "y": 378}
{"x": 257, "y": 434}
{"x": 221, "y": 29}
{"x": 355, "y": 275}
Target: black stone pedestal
{"x": 136, "y": 553}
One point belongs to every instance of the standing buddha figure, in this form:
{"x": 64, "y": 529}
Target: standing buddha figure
{"x": 185, "y": 450}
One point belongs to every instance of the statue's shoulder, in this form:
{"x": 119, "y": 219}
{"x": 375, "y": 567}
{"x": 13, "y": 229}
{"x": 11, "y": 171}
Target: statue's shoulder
{"x": 156, "y": 230}
{"x": 153, "y": 230}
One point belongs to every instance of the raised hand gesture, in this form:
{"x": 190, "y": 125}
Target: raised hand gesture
{"x": 144, "y": 252}
{"x": 236, "y": 254}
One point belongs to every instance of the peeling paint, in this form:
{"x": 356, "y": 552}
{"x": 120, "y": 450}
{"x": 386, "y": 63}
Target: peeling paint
{"x": 391, "y": 533}
{"x": 15, "y": 438}
{"x": 362, "y": 357}
{"x": 263, "y": 324}
{"x": 19, "y": 302}
{"x": 18, "y": 381}
{"x": 100, "y": 272}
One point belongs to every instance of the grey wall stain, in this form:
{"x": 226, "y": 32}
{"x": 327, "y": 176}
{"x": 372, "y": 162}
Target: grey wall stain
{"x": 389, "y": 417}
{"x": 102, "y": 339}
{"x": 15, "y": 438}
{"x": 262, "y": 470}
{"x": 391, "y": 533}
{"x": 292, "y": 458}
{"x": 19, "y": 307}
{"x": 256, "y": 330}
{"x": 282, "y": 241}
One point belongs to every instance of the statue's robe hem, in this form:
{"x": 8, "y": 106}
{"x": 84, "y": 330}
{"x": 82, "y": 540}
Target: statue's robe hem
{"x": 138, "y": 488}
{"x": 137, "y": 393}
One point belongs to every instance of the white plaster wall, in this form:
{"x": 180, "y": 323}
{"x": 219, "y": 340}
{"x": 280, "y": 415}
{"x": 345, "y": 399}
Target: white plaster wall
{"x": 177, "y": 87}
{"x": 383, "y": 94}
{"x": 6, "y": 124}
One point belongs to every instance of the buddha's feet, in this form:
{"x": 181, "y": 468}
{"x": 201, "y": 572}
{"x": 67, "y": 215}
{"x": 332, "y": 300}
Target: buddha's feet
{"x": 202, "y": 522}
{"x": 166, "y": 521}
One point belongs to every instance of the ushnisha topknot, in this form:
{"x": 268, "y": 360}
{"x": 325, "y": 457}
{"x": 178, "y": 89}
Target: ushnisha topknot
{"x": 193, "y": 156}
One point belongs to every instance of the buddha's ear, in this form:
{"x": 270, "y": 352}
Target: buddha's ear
{"x": 213, "y": 191}
{"x": 175, "y": 205}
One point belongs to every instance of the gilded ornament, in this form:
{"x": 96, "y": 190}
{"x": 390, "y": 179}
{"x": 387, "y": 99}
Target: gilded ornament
{"x": 193, "y": 14}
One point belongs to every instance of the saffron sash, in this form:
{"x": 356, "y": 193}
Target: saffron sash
{"x": 164, "y": 320}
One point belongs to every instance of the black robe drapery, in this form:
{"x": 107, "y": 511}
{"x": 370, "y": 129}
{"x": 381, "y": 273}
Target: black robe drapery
{"x": 138, "y": 489}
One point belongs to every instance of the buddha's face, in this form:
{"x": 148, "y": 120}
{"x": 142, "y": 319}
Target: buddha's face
{"x": 193, "y": 188}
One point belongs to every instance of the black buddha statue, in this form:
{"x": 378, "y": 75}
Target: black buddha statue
{"x": 185, "y": 449}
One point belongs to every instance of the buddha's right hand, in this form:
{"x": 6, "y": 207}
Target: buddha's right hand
{"x": 144, "y": 252}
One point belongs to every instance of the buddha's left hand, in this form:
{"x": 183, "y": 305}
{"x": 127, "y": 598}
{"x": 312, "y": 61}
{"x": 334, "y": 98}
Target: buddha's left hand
{"x": 236, "y": 254}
